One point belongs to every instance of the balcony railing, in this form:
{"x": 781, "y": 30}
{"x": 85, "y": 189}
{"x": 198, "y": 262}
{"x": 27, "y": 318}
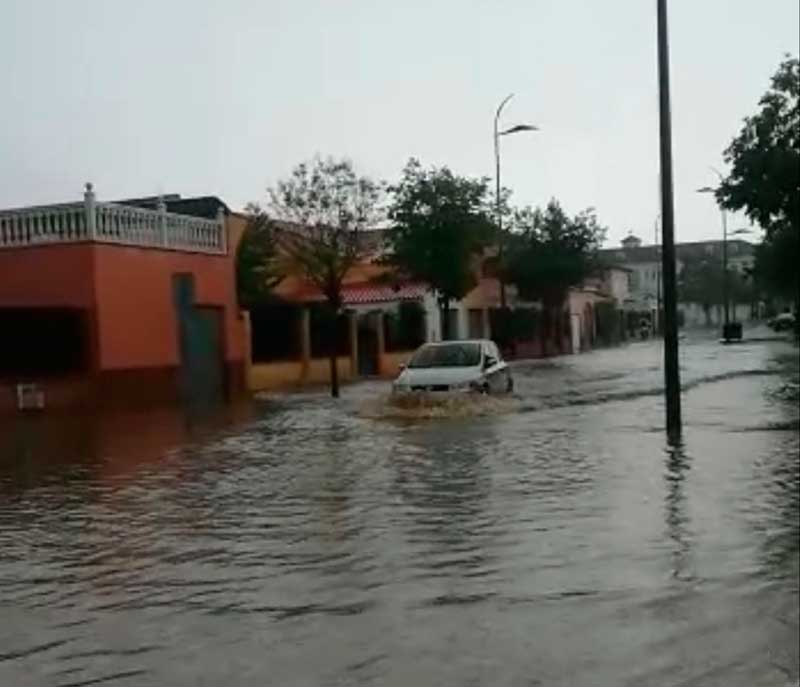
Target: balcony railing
{"x": 111, "y": 223}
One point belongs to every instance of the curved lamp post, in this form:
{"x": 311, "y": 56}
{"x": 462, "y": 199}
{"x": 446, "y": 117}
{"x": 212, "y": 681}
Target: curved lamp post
{"x": 725, "y": 280}
{"x": 498, "y": 209}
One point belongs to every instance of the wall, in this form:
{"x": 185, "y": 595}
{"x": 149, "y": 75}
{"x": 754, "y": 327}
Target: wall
{"x": 286, "y": 375}
{"x": 694, "y": 315}
{"x": 59, "y": 393}
{"x": 617, "y": 284}
{"x": 51, "y": 276}
{"x": 135, "y": 312}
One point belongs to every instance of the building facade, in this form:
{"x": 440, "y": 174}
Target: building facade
{"x": 643, "y": 263}
{"x": 106, "y": 304}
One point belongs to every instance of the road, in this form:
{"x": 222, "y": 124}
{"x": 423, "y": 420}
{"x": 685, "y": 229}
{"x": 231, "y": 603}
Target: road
{"x": 552, "y": 539}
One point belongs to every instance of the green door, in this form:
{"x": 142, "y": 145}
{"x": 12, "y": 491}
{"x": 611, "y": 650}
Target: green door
{"x": 200, "y": 342}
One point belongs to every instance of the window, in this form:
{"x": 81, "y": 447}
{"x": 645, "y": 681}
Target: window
{"x": 447, "y": 355}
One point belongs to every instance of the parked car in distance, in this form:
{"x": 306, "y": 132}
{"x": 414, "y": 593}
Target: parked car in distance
{"x": 783, "y": 322}
{"x": 456, "y": 366}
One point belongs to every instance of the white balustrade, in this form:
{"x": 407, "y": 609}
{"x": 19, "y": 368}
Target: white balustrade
{"x": 42, "y": 225}
{"x": 111, "y": 223}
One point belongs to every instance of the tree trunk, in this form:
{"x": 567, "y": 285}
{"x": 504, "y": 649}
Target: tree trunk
{"x": 333, "y": 346}
{"x": 547, "y": 329}
{"x": 707, "y": 312}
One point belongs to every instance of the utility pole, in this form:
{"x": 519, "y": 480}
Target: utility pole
{"x": 658, "y": 326}
{"x": 672, "y": 374}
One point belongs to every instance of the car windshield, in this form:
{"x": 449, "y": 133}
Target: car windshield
{"x": 447, "y": 355}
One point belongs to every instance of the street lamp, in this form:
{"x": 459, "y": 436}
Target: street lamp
{"x": 726, "y": 333}
{"x": 497, "y": 134}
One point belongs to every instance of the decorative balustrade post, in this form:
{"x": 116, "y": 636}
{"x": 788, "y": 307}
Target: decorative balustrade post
{"x": 161, "y": 206}
{"x": 89, "y": 209}
{"x": 223, "y": 239}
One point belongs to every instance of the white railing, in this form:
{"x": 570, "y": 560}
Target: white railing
{"x": 111, "y": 223}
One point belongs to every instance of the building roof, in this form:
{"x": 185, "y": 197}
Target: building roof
{"x": 199, "y": 206}
{"x": 360, "y": 293}
{"x": 684, "y": 251}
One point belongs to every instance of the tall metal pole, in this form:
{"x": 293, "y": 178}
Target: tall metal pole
{"x": 498, "y": 207}
{"x": 658, "y": 285}
{"x": 672, "y": 375}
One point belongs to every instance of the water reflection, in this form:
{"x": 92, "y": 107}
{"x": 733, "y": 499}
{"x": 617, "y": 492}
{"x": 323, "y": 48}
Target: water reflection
{"x": 444, "y": 481}
{"x": 304, "y": 543}
{"x": 676, "y": 515}
{"x": 36, "y": 450}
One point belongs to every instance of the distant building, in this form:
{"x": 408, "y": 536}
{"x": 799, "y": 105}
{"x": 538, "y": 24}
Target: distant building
{"x": 644, "y": 265}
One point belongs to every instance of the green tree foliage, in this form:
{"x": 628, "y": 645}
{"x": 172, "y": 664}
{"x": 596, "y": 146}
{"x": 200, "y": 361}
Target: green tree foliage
{"x": 440, "y": 224}
{"x": 322, "y": 210}
{"x": 551, "y": 252}
{"x": 776, "y": 268}
{"x": 257, "y": 264}
{"x": 701, "y": 280}
{"x": 765, "y": 178}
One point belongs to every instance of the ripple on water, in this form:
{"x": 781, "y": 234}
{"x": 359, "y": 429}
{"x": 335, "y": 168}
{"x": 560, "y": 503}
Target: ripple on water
{"x": 366, "y": 542}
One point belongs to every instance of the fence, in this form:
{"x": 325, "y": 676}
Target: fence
{"x": 111, "y": 223}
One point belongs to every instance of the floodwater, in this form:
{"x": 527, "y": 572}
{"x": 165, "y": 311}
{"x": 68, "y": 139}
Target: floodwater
{"x": 554, "y": 541}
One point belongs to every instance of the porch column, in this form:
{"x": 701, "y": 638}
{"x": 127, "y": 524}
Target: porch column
{"x": 353, "y": 322}
{"x": 248, "y": 347}
{"x": 305, "y": 343}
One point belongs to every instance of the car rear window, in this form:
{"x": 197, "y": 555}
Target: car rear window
{"x": 447, "y": 355}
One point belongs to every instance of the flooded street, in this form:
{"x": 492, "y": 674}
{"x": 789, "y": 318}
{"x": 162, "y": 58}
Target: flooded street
{"x": 555, "y": 540}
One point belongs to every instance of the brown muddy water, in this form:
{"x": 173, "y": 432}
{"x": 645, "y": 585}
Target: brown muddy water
{"x": 552, "y": 538}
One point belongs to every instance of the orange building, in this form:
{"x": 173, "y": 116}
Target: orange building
{"x": 120, "y": 303}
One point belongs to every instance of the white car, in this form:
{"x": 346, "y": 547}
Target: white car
{"x": 456, "y": 366}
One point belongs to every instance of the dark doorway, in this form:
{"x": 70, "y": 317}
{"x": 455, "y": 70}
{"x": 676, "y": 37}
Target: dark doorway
{"x": 367, "y": 345}
{"x": 43, "y": 342}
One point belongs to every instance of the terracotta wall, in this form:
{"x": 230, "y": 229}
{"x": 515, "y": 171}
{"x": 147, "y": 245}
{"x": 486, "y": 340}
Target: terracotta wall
{"x": 47, "y": 276}
{"x": 135, "y": 311}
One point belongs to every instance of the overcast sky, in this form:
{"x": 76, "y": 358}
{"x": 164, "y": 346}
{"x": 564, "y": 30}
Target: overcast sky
{"x": 222, "y": 97}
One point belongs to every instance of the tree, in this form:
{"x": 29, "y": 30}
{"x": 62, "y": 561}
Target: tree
{"x": 701, "y": 281}
{"x": 550, "y": 252}
{"x": 258, "y": 267}
{"x": 440, "y": 225}
{"x": 321, "y": 211}
{"x": 764, "y": 180}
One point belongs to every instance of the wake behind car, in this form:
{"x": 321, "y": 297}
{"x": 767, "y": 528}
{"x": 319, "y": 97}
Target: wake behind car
{"x": 456, "y": 366}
